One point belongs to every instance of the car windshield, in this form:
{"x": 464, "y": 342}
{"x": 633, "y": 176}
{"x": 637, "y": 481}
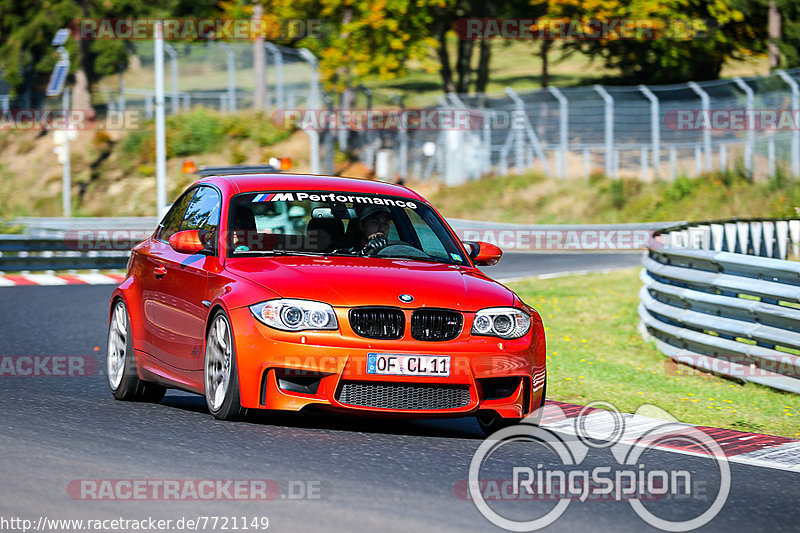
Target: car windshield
{"x": 338, "y": 223}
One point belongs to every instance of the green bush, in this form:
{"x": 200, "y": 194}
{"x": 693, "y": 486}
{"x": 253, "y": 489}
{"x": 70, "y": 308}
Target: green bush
{"x": 679, "y": 189}
{"x": 134, "y": 144}
{"x": 196, "y": 132}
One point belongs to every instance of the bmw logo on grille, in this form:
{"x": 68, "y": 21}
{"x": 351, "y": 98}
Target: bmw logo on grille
{"x": 407, "y": 298}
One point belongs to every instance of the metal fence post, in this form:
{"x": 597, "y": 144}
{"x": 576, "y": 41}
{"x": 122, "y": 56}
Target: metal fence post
{"x": 532, "y": 137}
{"x": 723, "y": 157}
{"x": 487, "y": 141}
{"x": 121, "y": 96}
{"x": 328, "y": 142}
{"x": 673, "y": 163}
{"x": 706, "y": 103}
{"x": 587, "y": 163}
{"x": 402, "y": 133}
{"x": 795, "y": 131}
{"x": 749, "y": 147}
{"x": 369, "y": 152}
{"x": 563, "y": 131}
{"x": 655, "y": 129}
{"x": 771, "y": 156}
{"x": 313, "y": 104}
{"x": 66, "y": 177}
{"x": 259, "y": 61}
{"x": 278, "y": 60}
{"x": 609, "y": 129}
{"x": 173, "y": 71}
{"x": 230, "y": 60}
{"x": 643, "y": 162}
{"x": 519, "y": 140}
{"x": 698, "y": 160}
{"x": 161, "y": 136}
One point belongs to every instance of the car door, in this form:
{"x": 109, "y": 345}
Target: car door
{"x": 173, "y": 307}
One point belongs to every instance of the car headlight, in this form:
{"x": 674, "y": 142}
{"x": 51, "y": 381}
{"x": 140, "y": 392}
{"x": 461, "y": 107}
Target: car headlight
{"x": 503, "y": 322}
{"x": 295, "y": 315}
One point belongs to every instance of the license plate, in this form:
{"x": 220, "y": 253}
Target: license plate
{"x": 392, "y": 364}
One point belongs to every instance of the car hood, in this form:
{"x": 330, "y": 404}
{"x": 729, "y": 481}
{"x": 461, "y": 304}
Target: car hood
{"x": 351, "y": 282}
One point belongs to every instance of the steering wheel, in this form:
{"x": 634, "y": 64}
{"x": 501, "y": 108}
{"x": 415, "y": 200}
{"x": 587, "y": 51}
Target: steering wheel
{"x": 376, "y": 244}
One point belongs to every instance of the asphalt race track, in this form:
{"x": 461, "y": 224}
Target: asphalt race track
{"x": 363, "y": 474}
{"x": 518, "y": 265}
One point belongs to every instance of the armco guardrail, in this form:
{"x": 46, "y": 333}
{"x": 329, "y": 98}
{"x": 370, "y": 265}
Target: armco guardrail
{"x": 721, "y": 297}
{"x": 69, "y": 252}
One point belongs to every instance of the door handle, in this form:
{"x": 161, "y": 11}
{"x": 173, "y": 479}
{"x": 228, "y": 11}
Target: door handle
{"x": 160, "y": 272}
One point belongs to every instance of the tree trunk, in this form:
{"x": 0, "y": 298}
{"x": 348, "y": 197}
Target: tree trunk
{"x": 444, "y": 59}
{"x": 465, "y": 47}
{"x": 484, "y": 58}
{"x": 774, "y": 30}
{"x": 82, "y": 96}
{"x": 545, "y": 73}
{"x": 81, "y": 93}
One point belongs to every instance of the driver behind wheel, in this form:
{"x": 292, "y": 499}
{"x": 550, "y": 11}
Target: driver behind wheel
{"x": 374, "y": 222}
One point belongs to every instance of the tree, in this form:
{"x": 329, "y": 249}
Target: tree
{"x": 789, "y": 42}
{"x": 717, "y": 31}
{"x": 454, "y": 14}
{"x": 27, "y": 27}
{"x": 359, "y": 40}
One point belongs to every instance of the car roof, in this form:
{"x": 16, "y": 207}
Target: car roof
{"x": 309, "y": 182}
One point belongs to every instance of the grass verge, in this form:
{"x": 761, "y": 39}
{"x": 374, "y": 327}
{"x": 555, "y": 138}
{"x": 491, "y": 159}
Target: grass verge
{"x": 534, "y": 199}
{"x": 596, "y": 353}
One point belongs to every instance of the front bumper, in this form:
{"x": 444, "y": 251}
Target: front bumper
{"x": 328, "y": 369}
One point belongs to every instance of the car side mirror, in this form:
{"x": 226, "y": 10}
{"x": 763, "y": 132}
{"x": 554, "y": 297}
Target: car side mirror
{"x": 483, "y": 253}
{"x": 187, "y": 242}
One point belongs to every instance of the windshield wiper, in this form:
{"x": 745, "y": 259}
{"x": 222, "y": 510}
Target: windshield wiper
{"x": 429, "y": 259}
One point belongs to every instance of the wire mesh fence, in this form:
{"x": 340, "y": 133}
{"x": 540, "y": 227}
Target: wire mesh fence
{"x": 647, "y": 132}
{"x": 634, "y": 131}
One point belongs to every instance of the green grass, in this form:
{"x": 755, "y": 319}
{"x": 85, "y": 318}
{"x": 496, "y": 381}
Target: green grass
{"x": 532, "y": 198}
{"x": 596, "y": 353}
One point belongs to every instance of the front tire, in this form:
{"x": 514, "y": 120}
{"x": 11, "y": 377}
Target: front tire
{"x": 123, "y": 379}
{"x": 220, "y": 374}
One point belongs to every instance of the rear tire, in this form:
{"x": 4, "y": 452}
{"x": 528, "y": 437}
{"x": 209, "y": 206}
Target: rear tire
{"x": 123, "y": 378}
{"x": 220, "y": 372}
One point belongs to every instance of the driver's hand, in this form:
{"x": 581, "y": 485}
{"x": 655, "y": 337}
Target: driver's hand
{"x": 377, "y": 242}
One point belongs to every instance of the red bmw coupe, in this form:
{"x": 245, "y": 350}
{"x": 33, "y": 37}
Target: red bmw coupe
{"x": 279, "y": 291}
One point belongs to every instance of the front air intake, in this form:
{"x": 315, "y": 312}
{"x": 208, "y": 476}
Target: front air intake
{"x": 404, "y": 396}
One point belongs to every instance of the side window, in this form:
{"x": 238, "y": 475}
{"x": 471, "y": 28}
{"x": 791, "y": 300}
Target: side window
{"x": 203, "y": 211}
{"x": 203, "y": 215}
{"x": 172, "y": 220}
